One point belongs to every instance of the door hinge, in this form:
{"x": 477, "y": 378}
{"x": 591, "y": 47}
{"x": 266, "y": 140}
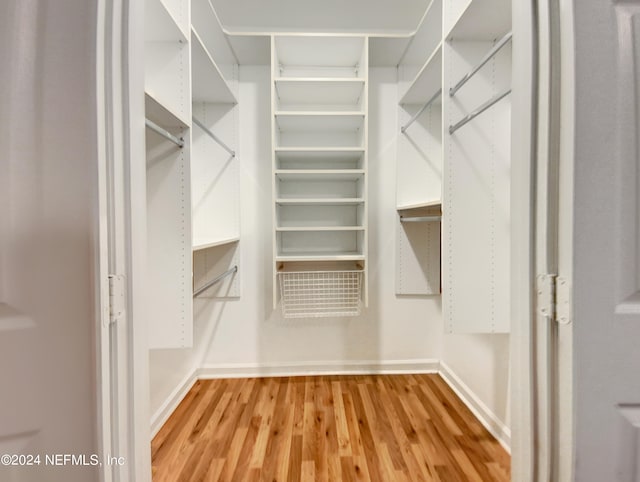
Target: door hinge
{"x": 116, "y": 297}
{"x": 554, "y": 298}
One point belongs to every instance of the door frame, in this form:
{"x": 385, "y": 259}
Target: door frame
{"x": 529, "y": 417}
{"x": 122, "y": 350}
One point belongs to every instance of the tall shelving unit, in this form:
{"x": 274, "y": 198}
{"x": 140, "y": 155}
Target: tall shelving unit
{"x": 192, "y": 175}
{"x": 453, "y": 172}
{"x": 215, "y": 172}
{"x": 419, "y": 165}
{"x": 319, "y": 137}
{"x": 168, "y": 113}
{"x": 476, "y": 140}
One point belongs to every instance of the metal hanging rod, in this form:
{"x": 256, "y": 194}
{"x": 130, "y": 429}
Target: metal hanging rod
{"x": 478, "y": 111}
{"x": 419, "y": 219}
{"x": 215, "y": 280}
{"x": 164, "y": 133}
{"x": 413, "y": 119}
{"x": 214, "y": 137}
{"x": 496, "y": 48}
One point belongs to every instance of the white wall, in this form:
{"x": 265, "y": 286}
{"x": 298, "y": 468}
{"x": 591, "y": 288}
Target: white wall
{"x": 481, "y": 362}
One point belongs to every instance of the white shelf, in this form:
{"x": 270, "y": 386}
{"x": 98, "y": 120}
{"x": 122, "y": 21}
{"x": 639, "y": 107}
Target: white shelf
{"x": 208, "y": 83}
{"x": 314, "y": 256}
{"x": 160, "y": 25}
{"x": 161, "y": 115}
{"x": 318, "y": 51}
{"x": 319, "y": 121}
{"x": 427, "y": 82}
{"x": 319, "y": 228}
{"x": 319, "y": 91}
{"x": 199, "y": 244}
{"x": 206, "y": 22}
{"x": 434, "y": 204}
{"x": 320, "y": 174}
{"x": 319, "y": 201}
{"x": 427, "y": 36}
{"x": 482, "y": 20}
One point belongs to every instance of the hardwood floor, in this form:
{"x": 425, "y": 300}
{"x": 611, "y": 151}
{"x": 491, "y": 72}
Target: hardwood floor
{"x": 328, "y": 428}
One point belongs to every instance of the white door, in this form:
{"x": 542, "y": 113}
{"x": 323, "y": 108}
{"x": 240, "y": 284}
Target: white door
{"x": 48, "y": 211}
{"x": 606, "y": 241}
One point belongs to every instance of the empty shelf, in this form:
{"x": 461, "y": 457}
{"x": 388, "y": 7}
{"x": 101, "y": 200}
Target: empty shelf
{"x": 160, "y": 25}
{"x": 209, "y": 85}
{"x": 427, "y": 82}
{"x": 319, "y": 91}
{"x": 319, "y": 228}
{"x": 320, "y": 201}
{"x": 320, "y": 174}
{"x": 482, "y": 20}
{"x": 199, "y": 244}
{"x": 161, "y": 115}
{"x": 319, "y": 121}
{"x": 421, "y": 209}
{"x": 315, "y": 256}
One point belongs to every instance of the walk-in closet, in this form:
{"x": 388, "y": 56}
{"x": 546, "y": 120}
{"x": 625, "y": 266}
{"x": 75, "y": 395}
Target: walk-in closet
{"x": 328, "y": 242}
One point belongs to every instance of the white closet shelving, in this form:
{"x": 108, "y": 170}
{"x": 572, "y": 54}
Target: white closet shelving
{"x": 191, "y": 189}
{"x": 454, "y": 162}
{"x": 215, "y": 173}
{"x": 168, "y": 199}
{"x": 419, "y": 164}
{"x": 476, "y": 178}
{"x": 319, "y": 107}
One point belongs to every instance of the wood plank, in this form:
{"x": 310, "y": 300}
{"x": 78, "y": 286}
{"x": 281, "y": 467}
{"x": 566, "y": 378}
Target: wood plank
{"x": 331, "y": 428}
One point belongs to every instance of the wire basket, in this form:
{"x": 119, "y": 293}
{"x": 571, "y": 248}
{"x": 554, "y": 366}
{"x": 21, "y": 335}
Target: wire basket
{"x": 318, "y": 294}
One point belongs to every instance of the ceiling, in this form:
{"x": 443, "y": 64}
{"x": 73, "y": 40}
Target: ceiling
{"x": 362, "y": 16}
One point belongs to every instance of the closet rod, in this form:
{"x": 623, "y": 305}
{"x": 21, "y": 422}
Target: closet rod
{"x": 496, "y": 48}
{"x": 214, "y": 137}
{"x": 215, "y": 280}
{"x": 413, "y": 119}
{"x": 419, "y": 219}
{"x": 478, "y": 111}
{"x": 164, "y": 133}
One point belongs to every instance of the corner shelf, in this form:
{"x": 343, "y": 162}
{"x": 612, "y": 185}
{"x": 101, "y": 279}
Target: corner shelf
{"x": 421, "y": 208}
{"x": 208, "y": 83}
{"x": 199, "y": 244}
{"x": 428, "y": 80}
{"x": 160, "y": 25}
{"x": 482, "y": 20}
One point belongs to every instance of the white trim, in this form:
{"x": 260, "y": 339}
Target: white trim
{"x": 485, "y": 416}
{"x": 293, "y": 369}
{"x": 160, "y": 417}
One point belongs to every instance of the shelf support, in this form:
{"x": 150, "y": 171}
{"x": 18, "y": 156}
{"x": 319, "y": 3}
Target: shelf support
{"x": 478, "y": 111}
{"x": 214, "y": 137}
{"x": 420, "y": 219}
{"x": 496, "y": 48}
{"x": 422, "y": 109}
{"x": 214, "y": 281}
{"x": 164, "y": 133}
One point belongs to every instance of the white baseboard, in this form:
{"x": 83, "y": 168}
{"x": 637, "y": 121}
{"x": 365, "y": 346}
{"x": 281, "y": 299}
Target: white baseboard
{"x": 491, "y": 422}
{"x": 159, "y": 418}
{"x": 247, "y": 370}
